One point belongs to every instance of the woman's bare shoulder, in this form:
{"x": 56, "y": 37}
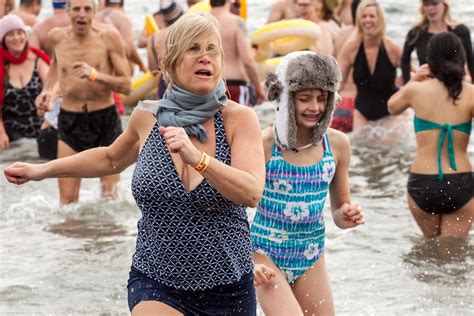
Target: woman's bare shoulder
{"x": 142, "y": 117}
{"x": 234, "y": 112}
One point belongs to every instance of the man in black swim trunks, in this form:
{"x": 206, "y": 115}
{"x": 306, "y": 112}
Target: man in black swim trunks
{"x": 88, "y": 64}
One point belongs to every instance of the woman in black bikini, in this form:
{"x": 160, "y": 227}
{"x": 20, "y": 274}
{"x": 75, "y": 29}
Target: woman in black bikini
{"x": 374, "y": 58}
{"x": 440, "y": 185}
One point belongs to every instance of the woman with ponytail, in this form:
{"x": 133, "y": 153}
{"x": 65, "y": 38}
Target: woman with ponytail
{"x": 440, "y": 185}
{"x": 23, "y": 71}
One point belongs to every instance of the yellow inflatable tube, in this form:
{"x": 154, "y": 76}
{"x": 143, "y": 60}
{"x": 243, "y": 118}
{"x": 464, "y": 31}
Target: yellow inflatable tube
{"x": 286, "y": 36}
{"x": 205, "y": 6}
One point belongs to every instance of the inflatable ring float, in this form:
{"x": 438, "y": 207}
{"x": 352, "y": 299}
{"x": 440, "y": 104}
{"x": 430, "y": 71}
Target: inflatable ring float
{"x": 285, "y": 36}
{"x": 205, "y": 6}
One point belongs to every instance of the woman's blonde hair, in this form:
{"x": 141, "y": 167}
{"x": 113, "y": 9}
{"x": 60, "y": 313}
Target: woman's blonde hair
{"x": 182, "y": 36}
{"x": 422, "y": 23}
{"x": 380, "y": 14}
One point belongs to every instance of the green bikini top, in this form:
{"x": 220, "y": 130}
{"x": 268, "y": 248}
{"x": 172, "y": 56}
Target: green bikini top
{"x": 424, "y": 125}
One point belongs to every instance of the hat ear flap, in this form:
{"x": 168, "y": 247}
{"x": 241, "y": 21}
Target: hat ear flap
{"x": 273, "y": 87}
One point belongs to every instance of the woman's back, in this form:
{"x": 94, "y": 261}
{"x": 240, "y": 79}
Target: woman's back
{"x": 433, "y": 109}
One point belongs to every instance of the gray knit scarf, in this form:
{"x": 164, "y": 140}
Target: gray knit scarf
{"x": 185, "y": 109}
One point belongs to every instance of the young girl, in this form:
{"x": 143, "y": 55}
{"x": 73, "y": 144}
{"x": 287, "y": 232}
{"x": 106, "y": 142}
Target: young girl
{"x": 304, "y": 160}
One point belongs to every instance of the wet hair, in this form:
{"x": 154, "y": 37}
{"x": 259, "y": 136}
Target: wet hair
{"x": 182, "y": 35}
{"x": 217, "y": 3}
{"x": 422, "y": 24}
{"x": 446, "y": 58}
{"x": 380, "y": 14}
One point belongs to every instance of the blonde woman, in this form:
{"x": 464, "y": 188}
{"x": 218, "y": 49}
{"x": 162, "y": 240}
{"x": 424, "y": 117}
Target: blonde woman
{"x": 374, "y": 58}
{"x": 199, "y": 164}
{"x": 435, "y": 17}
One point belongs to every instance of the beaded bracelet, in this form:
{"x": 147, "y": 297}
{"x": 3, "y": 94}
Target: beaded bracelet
{"x": 204, "y": 163}
{"x": 93, "y": 75}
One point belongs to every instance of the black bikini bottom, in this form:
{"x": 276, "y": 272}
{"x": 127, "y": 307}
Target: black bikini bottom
{"x": 441, "y": 197}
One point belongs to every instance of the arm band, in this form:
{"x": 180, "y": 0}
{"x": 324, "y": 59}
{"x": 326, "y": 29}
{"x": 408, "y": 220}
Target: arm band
{"x": 204, "y": 163}
{"x": 93, "y": 75}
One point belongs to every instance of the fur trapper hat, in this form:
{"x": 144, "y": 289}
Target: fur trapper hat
{"x": 299, "y": 71}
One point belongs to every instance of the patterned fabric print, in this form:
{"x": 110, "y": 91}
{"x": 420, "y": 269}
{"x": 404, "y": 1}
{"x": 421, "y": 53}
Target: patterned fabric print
{"x": 187, "y": 240}
{"x": 288, "y": 226}
{"x": 19, "y": 110}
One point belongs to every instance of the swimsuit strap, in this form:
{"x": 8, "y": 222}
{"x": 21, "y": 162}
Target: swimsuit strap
{"x": 326, "y": 144}
{"x": 445, "y": 129}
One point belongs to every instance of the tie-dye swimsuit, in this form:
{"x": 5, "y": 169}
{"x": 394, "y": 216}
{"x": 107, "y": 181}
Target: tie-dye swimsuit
{"x": 288, "y": 226}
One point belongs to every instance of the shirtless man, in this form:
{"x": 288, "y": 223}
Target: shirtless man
{"x": 39, "y": 36}
{"x": 88, "y": 63}
{"x": 28, "y": 11}
{"x": 283, "y": 10}
{"x": 114, "y": 14}
{"x": 240, "y": 66}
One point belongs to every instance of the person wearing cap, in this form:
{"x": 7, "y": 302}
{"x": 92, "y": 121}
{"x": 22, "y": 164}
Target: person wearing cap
{"x": 39, "y": 35}
{"x": 198, "y": 164}
{"x": 305, "y": 160}
{"x": 240, "y": 66}
{"x": 88, "y": 65}
{"x": 283, "y": 10}
{"x": 308, "y": 10}
{"x": 435, "y": 17}
{"x": 113, "y": 14}
{"x": 23, "y": 72}
{"x": 28, "y": 11}
{"x": 170, "y": 12}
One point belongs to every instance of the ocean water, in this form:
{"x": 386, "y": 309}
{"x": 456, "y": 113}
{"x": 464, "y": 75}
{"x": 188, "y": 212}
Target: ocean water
{"x": 75, "y": 260}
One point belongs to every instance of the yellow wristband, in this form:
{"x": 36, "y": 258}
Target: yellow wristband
{"x": 93, "y": 75}
{"x": 204, "y": 163}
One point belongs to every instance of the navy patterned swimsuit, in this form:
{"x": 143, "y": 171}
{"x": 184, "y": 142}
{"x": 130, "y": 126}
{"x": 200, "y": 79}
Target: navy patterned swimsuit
{"x": 19, "y": 110}
{"x": 187, "y": 240}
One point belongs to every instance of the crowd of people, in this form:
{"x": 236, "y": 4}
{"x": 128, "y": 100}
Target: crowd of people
{"x": 199, "y": 154}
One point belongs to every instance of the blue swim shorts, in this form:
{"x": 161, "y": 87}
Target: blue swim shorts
{"x": 231, "y": 299}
